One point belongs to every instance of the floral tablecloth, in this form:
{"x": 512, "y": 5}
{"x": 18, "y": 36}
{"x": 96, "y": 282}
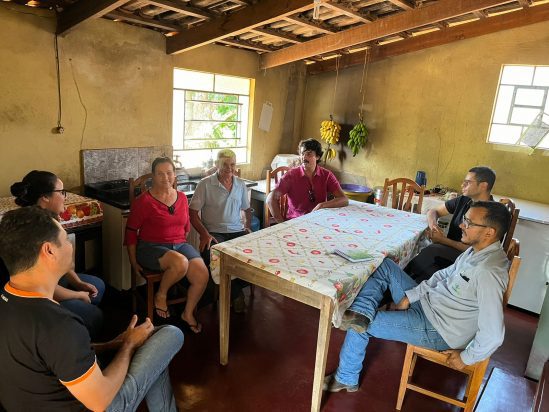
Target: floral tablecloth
{"x": 79, "y": 210}
{"x": 300, "y": 250}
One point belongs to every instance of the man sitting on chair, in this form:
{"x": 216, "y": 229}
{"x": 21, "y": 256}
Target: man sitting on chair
{"x": 445, "y": 249}
{"x": 48, "y": 362}
{"x": 458, "y": 310}
{"x": 308, "y": 186}
{"x": 219, "y": 198}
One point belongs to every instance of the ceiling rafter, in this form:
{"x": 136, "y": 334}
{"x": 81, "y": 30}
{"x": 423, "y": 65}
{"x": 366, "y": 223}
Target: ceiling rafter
{"x": 403, "y": 4}
{"x": 318, "y": 26}
{"x": 348, "y": 11}
{"x": 279, "y": 34}
{"x": 180, "y": 8}
{"x": 391, "y": 25}
{"x": 256, "y": 15}
{"x": 132, "y": 18}
{"x": 247, "y": 45}
{"x": 477, "y": 28}
{"x": 83, "y": 11}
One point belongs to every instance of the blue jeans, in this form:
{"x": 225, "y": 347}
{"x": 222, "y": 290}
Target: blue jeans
{"x": 148, "y": 374}
{"x": 409, "y": 326}
{"x": 90, "y": 314}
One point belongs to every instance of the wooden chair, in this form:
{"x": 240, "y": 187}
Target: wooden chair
{"x": 150, "y": 277}
{"x": 514, "y": 217}
{"x": 277, "y": 174}
{"x": 475, "y": 372}
{"x": 402, "y": 200}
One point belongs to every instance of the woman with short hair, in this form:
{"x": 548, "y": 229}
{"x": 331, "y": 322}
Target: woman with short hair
{"x": 156, "y": 237}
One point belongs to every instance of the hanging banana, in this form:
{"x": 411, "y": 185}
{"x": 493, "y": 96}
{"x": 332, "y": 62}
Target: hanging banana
{"x": 357, "y": 137}
{"x": 329, "y": 131}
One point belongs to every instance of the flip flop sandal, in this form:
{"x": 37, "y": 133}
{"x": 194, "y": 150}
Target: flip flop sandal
{"x": 162, "y": 313}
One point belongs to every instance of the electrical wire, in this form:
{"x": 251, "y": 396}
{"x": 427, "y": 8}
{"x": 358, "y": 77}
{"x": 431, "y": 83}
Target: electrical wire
{"x": 81, "y": 102}
{"x": 59, "y": 108}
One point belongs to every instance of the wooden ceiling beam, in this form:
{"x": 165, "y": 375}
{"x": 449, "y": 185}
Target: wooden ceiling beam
{"x": 391, "y": 25}
{"x": 256, "y": 15}
{"x": 132, "y": 18}
{"x": 247, "y": 45}
{"x": 347, "y": 11}
{"x": 321, "y": 27}
{"x": 180, "y": 8}
{"x": 279, "y": 34}
{"x": 85, "y": 10}
{"x": 473, "y": 29}
{"x": 403, "y": 4}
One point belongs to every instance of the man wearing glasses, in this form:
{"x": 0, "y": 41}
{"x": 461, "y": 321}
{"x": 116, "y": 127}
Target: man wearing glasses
{"x": 458, "y": 310}
{"x": 308, "y": 186}
{"x": 444, "y": 250}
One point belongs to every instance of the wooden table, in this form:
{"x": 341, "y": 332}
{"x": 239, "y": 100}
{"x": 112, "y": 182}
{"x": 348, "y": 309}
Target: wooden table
{"x": 295, "y": 259}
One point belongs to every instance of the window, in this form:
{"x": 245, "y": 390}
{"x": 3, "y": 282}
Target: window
{"x": 521, "y": 110}
{"x": 210, "y": 113}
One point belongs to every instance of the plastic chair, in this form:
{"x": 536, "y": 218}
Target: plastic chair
{"x": 277, "y": 174}
{"x": 151, "y": 278}
{"x": 402, "y": 199}
{"x": 475, "y": 373}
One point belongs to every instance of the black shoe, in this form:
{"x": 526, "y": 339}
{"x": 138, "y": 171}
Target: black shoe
{"x": 356, "y": 321}
{"x": 332, "y": 385}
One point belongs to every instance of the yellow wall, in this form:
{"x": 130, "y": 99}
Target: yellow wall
{"x": 117, "y": 75}
{"x": 430, "y": 110}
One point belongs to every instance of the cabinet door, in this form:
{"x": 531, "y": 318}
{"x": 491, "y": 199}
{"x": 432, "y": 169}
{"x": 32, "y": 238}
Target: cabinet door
{"x": 531, "y": 284}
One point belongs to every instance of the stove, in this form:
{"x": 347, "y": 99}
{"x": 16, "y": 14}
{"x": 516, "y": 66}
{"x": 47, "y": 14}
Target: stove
{"x": 117, "y": 192}
{"x": 113, "y": 192}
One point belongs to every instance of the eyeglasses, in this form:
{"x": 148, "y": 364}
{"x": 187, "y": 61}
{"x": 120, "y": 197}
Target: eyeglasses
{"x": 171, "y": 209}
{"x": 467, "y": 223}
{"x": 62, "y": 191}
{"x": 312, "y": 197}
{"x": 468, "y": 182}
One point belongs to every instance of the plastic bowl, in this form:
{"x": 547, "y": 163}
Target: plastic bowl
{"x": 356, "y": 192}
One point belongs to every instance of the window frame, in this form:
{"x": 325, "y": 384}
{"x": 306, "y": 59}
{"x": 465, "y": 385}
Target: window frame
{"x": 243, "y": 122}
{"x": 513, "y": 105}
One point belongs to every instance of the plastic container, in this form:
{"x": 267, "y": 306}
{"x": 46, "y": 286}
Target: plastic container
{"x": 356, "y": 192}
{"x": 378, "y": 194}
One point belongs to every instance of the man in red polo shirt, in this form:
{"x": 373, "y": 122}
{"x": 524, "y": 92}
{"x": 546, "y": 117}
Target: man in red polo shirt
{"x": 307, "y": 186}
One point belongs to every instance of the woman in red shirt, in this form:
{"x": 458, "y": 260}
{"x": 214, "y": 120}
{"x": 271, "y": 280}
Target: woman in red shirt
{"x": 156, "y": 235}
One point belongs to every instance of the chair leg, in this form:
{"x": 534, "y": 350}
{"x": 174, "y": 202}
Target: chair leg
{"x": 474, "y": 387}
{"x": 150, "y": 299}
{"x": 406, "y": 375}
{"x": 134, "y": 293}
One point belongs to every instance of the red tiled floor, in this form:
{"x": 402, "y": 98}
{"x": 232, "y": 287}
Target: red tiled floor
{"x": 271, "y": 360}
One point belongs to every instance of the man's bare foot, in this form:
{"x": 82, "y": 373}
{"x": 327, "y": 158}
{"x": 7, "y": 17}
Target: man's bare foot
{"x": 161, "y": 306}
{"x": 191, "y": 321}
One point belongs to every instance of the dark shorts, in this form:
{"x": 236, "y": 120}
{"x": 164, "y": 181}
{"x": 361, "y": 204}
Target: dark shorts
{"x": 148, "y": 253}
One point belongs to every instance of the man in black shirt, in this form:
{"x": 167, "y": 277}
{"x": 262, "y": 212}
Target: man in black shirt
{"x": 48, "y": 361}
{"x": 444, "y": 250}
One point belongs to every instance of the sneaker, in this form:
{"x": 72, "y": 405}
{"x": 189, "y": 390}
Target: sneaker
{"x": 356, "y": 321}
{"x": 332, "y": 385}
{"x": 239, "y": 304}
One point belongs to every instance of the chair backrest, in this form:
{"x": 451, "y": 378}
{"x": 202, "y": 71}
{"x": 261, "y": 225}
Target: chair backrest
{"x": 403, "y": 200}
{"x": 514, "y": 217}
{"x": 513, "y": 256}
{"x": 283, "y": 203}
{"x": 143, "y": 183}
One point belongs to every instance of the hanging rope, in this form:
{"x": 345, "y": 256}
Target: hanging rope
{"x": 335, "y": 85}
{"x": 364, "y": 76}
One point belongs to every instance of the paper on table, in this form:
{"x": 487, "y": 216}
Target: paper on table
{"x": 354, "y": 255}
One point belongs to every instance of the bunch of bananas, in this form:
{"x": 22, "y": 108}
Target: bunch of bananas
{"x": 330, "y": 154}
{"x": 357, "y": 137}
{"x": 329, "y": 131}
